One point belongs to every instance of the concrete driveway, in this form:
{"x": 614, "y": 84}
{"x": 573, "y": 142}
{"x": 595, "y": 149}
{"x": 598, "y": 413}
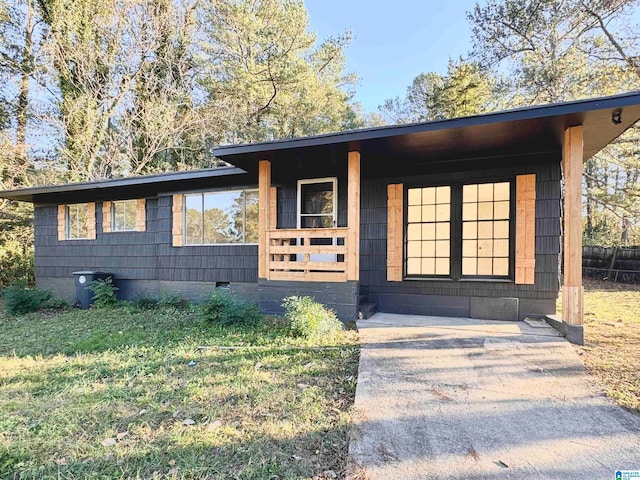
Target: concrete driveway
{"x": 452, "y": 398}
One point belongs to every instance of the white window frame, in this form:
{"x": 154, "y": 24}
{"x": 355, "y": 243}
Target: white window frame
{"x": 67, "y": 221}
{"x": 310, "y": 181}
{"x": 113, "y": 216}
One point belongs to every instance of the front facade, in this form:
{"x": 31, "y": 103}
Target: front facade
{"x": 457, "y": 218}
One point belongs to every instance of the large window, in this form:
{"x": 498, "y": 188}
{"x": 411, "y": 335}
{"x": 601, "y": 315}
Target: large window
{"x": 459, "y": 231}
{"x": 76, "y": 221}
{"x": 428, "y": 231}
{"x": 485, "y": 229}
{"x": 123, "y": 215}
{"x": 221, "y": 217}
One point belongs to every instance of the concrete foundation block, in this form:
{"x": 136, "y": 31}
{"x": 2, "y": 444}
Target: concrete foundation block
{"x": 484, "y": 308}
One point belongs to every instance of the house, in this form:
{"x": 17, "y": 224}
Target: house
{"x": 458, "y": 217}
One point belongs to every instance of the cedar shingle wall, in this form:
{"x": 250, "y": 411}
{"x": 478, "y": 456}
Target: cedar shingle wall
{"x": 373, "y": 245}
{"x": 144, "y": 255}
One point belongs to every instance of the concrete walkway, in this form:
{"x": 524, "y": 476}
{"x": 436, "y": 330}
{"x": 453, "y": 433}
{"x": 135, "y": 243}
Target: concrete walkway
{"x": 452, "y": 398}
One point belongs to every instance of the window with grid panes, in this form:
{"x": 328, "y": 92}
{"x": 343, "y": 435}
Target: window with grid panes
{"x": 485, "y": 229}
{"x": 459, "y": 231}
{"x": 428, "y": 242}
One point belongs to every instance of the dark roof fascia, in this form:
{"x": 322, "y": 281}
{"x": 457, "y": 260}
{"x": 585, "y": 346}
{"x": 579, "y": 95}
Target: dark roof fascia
{"x": 166, "y": 179}
{"x": 354, "y": 136}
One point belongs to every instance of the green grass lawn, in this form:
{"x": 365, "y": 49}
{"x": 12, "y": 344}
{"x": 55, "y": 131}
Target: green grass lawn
{"x": 111, "y": 394}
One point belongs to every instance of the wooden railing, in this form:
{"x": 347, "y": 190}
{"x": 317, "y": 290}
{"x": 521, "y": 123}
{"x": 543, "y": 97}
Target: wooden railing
{"x": 291, "y": 252}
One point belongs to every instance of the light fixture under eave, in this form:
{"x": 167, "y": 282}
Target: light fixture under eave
{"x": 616, "y": 117}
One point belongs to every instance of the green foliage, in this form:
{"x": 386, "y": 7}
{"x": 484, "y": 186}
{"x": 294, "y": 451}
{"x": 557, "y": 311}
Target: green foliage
{"x": 465, "y": 90}
{"x": 18, "y": 299}
{"x": 311, "y": 319}
{"x": 228, "y": 310}
{"x": 104, "y": 293}
{"x": 55, "y": 303}
{"x": 172, "y": 300}
{"x": 143, "y": 301}
{"x": 16, "y": 242}
{"x": 265, "y": 76}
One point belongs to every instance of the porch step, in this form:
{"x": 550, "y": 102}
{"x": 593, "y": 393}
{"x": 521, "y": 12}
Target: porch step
{"x": 362, "y": 299}
{"x": 367, "y": 310}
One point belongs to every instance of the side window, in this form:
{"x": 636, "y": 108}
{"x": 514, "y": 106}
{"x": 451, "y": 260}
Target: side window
{"x": 77, "y": 221}
{"x": 123, "y": 215}
{"x": 76, "y": 227}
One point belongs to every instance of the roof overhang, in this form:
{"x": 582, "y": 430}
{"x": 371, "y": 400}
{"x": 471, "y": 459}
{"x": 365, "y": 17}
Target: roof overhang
{"x": 121, "y": 188}
{"x": 538, "y": 129}
{"x": 522, "y": 131}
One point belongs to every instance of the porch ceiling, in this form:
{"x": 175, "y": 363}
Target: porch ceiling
{"x": 529, "y": 130}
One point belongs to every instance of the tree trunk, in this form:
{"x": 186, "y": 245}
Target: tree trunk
{"x": 26, "y": 70}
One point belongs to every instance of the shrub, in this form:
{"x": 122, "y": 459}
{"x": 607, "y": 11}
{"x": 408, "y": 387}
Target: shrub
{"x": 18, "y": 299}
{"x": 311, "y": 319}
{"x": 55, "y": 303}
{"x": 172, "y": 300}
{"x": 16, "y": 264}
{"x": 226, "y": 309}
{"x": 104, "y": 293}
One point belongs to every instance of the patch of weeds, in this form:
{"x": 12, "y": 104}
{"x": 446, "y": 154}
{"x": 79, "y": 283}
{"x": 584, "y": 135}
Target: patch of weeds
{"x": 172, "y": 300}
{"x": 144, "y": 302}
{"x": 55, "y": 304}
{"x": 19, "y": 300}
{"x": 10, "y": 461}
{"x": 311, "y": 319}
{"x": 226, "y": 309}
{"x": 104, "y": 293}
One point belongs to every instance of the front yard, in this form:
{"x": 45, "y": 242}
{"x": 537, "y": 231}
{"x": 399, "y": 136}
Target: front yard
{"x": 164, "y": 394}
{"x": 130, "y": 394}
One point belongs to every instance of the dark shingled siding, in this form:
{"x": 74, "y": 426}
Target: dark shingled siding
{"x": 140, "y": 255}
{"x": 149, "y": 256}
{"x": 373, "y": 244}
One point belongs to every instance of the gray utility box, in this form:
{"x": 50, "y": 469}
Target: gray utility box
{"x": 84, "y": 296}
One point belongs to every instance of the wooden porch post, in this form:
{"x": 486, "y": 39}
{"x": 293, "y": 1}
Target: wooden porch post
{"x": 353, "y": 215}
{"x": 264, "y": 189}
{"x": 572, "y": 290}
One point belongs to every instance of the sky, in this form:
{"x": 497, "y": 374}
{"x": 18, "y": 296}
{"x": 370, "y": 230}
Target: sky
{"x": 394, "y": 41}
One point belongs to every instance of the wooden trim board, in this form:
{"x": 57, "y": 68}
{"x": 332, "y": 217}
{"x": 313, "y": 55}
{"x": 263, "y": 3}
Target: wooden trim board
{"x": 394, "y": 232}
{"x": 525, "y": 229}
{"x": 353, "y": 216}
{"x": 176, "y": 214}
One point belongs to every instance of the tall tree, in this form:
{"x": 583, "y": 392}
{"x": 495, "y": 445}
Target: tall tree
{"x": 464, "y": 90}
{"x": 163, "y": 127}
{"x": 265, "y": 77}
{"x": 125, "y": 81}
{"x": 82, "y": 41}
{"x": 556, "y": 50}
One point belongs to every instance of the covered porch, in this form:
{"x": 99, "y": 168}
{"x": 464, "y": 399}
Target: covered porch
{"x": 326, "y": 253}
{"x": 321, "y": 255}
{"x": 539, "y": 151}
